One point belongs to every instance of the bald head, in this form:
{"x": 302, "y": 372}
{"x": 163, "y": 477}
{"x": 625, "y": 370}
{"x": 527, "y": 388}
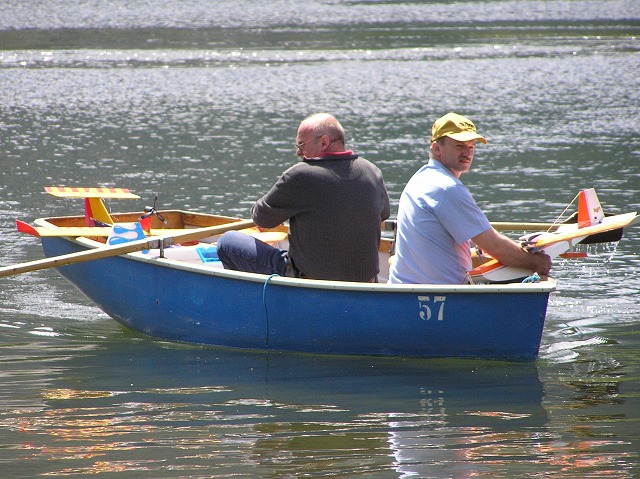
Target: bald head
{"x": 323, "y": 124}
{"x": 319, "y": 134}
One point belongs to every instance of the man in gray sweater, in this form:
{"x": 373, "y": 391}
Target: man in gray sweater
{"x": 334, "y": 202}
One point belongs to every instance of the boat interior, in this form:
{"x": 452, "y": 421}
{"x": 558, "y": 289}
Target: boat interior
{"x": 203, "y": 252}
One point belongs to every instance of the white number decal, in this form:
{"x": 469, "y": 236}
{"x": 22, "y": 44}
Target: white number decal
{"x": 428, "y": 306}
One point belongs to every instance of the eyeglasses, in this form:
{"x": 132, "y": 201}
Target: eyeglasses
{"x": 300, "y": 146}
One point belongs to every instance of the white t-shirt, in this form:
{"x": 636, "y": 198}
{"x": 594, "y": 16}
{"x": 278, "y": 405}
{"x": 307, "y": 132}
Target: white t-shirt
{"x": 436, "y": 219}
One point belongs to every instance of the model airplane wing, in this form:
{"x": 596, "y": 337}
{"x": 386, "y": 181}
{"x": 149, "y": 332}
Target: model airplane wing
{"x": 590, "y": 227}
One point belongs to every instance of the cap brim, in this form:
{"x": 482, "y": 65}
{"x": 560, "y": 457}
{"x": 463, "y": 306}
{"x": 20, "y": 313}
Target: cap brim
{"x": 467, "y": 136}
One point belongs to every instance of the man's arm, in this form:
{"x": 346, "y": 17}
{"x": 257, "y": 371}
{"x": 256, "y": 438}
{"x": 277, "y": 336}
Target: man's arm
{"x": 386, "y": 208}
{"x": 279, "y": 204}
{"x": 509, "y": 253}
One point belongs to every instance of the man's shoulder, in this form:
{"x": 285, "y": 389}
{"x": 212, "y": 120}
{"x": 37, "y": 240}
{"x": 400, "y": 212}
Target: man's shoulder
{"x": 432, "y": 175}
{"x": 313, "y": 168}
{"x": 299, "y": 174}
{"x": 364, "y": 163}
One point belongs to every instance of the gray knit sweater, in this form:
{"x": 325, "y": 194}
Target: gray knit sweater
{"x": 334, "y": 206}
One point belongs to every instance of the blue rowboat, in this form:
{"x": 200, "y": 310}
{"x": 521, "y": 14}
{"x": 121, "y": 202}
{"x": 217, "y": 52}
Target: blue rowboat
{"x": 181, "y": 293}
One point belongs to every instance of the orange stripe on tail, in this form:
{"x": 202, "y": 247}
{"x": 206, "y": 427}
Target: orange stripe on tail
{"x": 589, "y": 210}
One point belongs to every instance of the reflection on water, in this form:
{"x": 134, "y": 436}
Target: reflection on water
{"x": 264, "y": 412}
{"x": 167, "y": 411}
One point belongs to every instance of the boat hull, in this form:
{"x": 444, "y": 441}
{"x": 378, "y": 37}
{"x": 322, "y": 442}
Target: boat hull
{"x": 176, "y": 301}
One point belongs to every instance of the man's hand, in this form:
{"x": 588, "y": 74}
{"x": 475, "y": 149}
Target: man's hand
{"x": 510, "y": 253}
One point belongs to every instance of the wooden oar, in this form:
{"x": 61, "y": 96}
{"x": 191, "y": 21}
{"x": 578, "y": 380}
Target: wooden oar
{"x": 390, "y": 225}
{"x": 511, "y": 226}
{"x": 609, "y": 236}
{"x": 110, "y": 251}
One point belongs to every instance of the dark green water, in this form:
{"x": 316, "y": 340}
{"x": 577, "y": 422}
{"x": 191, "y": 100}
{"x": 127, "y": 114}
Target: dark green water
{"x": 200, "y": 101}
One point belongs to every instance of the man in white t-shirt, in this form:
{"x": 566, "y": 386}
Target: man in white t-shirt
{"x": 438, "y": 218}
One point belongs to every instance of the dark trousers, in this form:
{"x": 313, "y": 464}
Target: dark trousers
{"x": 242, "y": 252}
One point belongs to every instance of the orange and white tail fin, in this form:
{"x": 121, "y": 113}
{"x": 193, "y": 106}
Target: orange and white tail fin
{"x": 589, "y": 210}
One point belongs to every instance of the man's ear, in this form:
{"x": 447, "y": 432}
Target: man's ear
{"x": 435, "y": 149}
{"x": 325, "y": 141}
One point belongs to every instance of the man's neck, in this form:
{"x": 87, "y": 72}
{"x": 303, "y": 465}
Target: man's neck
{"x": 332, "y": 155}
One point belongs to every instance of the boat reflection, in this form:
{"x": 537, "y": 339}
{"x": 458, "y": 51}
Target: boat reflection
{"x": 122, "y": 407}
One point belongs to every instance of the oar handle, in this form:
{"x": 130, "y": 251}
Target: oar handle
{"x": 390, "y": 225}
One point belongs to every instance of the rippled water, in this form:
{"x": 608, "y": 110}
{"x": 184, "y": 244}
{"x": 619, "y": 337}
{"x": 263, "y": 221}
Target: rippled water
{"x": 200, "y": 101}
